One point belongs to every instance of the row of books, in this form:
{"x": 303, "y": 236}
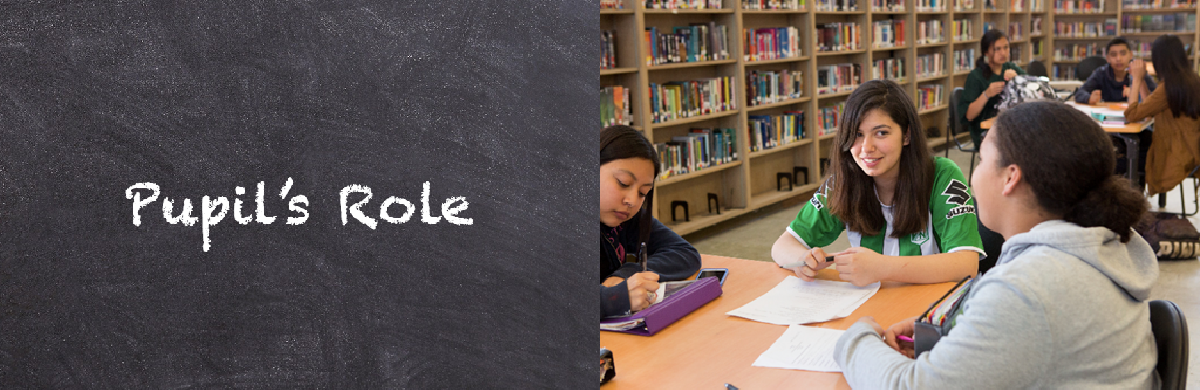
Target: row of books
{"x": 989, "y": 26}
{"x": 887, "y": 5}
{"x": 771, "y": 131}
{"x": 888, "y": 69}
{"x": 766, "y": 87}
{"x": 990, "y": 5}
{"x": 699, "y": 42}
{"x": 1156, "y": 23}
{"x": 888, "y": 33}
{"x": 837, "y": 5}
{"x": 827, "y": 118}
{"x": 929, "y": 96}
{"x": 964, "y": 60}
{"x": 1035, "y": 25}
{"x": 1086, "y": 29}
{"x": 961, "y": 29}
{"x": 608, "y": 49}
{"x": 701, "y": 148}
{"x": 1037, "y": 5}
{"x": 1154, "y": 4}
{"x": 1078, "y": 51}
{"x": 931, "y": 5}
{"x": 614, "y": 106}
{"x": 1016, "y": 5}
{"x": 1063, "y": 72}
{"x": 838, "y": 78}
{"x": 763, "y": 44}
{"x": 612, "y": 4}
{"x": 838, "y": 37}
{"x": 964, "y": 5}
{"x": 772, "y": 4}
{"x": 1078, "y": 6}
{"x": 1015, "y": 54}
{"x": 685, "y": 99}
{"x": 1037, "y": 48}
{"x": 930, "y": 65}
{"x": 930, "y": 31}
{"x": 683, "y": 4}
{"x": 1015, "y": 32}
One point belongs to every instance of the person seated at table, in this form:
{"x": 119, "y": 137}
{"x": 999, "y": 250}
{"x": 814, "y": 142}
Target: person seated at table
{"x": 1175, "y": 107}
{"x": 628, "y": 167}
{"x": 981, "y": 91}
{"x": 1111, "y": 82}
{"x": 909, "y": 216}
{"x": 1066, "y": 305}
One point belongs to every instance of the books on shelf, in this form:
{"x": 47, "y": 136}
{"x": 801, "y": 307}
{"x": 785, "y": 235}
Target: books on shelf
{"x": 888, "y": 33}
{"x": 964, "y": 60}
{"x": 1078, "y": 51}
{"x": 1156, "y": 4}
{"x": 683, "y": 4}
{"x": 1086, "y": 29}
{"x": 1015, "y": 32}
{"x": 1078, "y": 6}
{"x": 763, "y": 44}
{"x": 929, "y": 32}
{"x": 827, "y": 118}
{"x": 684, "y": 99}
{"x": 887, "y": 5}
{"x": 771, "y": 131}
{"x": 698, "y": 42}
{"x": 614, "y": 106}
{"x": 931, "y": 5}
{"x": 929, "y": 96}
{"x": 1179, "y": 22}
{"x": 1037, "y": 5}
{"x": 961, "y": 29}
{"x": 1014, "y": 54}
{"x": 989, "y": 26}
{"x": 612, "y": 4}
{"x": 838, "y": 78}
{"x": 931, "y": 65}
{"x": 766, "y": 87}
{"x": 700, "y": 149}
{"x": 838, "y": 37}
{"x": 1016, "y": 5}
{"x": 1063, "y": 72}
{"x": 773, "y": 4}
{"x": 608, "y": 49}
{"x": 837, "y": 5}
{"x": 888, "y": 69}
{"x": 1035, "y": 26}
{"x": 964, "y": 5}
{"x": 989, "y": 5}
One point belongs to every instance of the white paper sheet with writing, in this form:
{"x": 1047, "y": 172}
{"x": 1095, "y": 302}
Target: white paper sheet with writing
{"x": 803, "y": 348}
{"x": 794, "y": 301}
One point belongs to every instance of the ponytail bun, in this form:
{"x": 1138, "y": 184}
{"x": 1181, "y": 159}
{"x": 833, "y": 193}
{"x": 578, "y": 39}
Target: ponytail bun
{"x": 1113, "y": 204}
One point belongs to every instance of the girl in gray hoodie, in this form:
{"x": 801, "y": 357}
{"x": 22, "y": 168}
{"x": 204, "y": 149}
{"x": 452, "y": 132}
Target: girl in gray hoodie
{"x": 1065, "y": 306}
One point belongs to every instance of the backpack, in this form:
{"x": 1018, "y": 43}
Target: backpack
{"x": 1023, "y": 89}
{"x": 1171, "y": 236}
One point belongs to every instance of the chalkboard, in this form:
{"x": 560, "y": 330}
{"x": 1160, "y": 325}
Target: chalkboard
{"x": 489, "y": 102}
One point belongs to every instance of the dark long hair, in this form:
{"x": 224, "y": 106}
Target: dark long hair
{"x": 619, "y": 142}
{"x": 853, "y": 196}
{"x": 1071, "y": 176}
{"x": 1182, "y": 85}
{"x": 985, "y": 44}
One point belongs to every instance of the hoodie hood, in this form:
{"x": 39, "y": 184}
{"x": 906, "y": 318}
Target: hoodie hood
{"x": 1132, "y": 266}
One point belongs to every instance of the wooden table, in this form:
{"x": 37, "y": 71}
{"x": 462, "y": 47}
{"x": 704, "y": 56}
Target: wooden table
{"x": 707, "y": 348}
{"x": 1128, "y": 133}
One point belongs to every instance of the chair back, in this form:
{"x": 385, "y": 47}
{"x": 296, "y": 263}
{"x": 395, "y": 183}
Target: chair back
{"x": 1171, "y": 336}
{"x": 1087, "y": 66}
{"x": 1037, "y": 68}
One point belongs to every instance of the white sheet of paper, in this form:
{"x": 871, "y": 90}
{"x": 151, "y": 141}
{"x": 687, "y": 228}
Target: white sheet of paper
{"x": 803, "y": 348}
{"x": 794, "y": 301}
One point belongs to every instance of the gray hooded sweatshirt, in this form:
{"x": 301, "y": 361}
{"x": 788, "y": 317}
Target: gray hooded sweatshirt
{"x": 1064, "y": 308}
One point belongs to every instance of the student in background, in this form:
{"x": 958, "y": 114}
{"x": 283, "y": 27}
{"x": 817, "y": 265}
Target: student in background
{"x": 1111, "y": 82}
{"x": 909, "y": 216}
{"x": 628, "y": 167}
{"x": 981, "y": 91}
{"x": 1065, "y": 306}
{"x": 1175, "y": 107}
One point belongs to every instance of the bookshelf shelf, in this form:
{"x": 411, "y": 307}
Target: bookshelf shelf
{"x": 905, "y": 47}
{"x": 968, "y": 41}
{"x": 768, "y": 106}
{"x": 764, "y": 199}
{"x": 1157, "y": 10}
{"x": 778, "y": 149}
{"x": 826, "y": 136}
{"x": 702, "y": 221}
{"x": 1084, "y": 14}
{"x": 938, "y": 44}
{"x": 778, "y": 61}
{"x": 834, "y": 95}
{"x": 933, "y": 109}
{"x": 931, "y": 78}
{"x": 616, "y": 12}
{"x": 711, "y": 11}
{"x": 962, "y": 73}
{"x": 1156, "y": 33}
{"x": 697, "y": 64}
{"x": 889, "y": 13}
{"x": 839, "y": 53}
{"x": 1020, "y": 41}
{"x": 774, "y": 12}
{"x": 701, "y": 173}
{"x": 695, "y": 119}
{"x": 609, "y": 72}
{"x": 933, "y": 13}
{"x": 840, "y": 12}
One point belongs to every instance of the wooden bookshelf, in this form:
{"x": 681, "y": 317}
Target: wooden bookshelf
{"x": 1111, "y": 9}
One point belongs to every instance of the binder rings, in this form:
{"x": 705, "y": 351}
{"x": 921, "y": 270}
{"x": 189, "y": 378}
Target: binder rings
{"x": 659, "y": 315}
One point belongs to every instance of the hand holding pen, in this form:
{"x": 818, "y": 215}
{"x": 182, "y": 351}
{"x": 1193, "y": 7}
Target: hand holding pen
{"x": 899, "y": 336}
{"x": 811, "y": 261}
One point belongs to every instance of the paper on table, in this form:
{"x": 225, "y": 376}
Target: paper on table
{"x": 803, "y": 348}
{"x": 794, "y": 301}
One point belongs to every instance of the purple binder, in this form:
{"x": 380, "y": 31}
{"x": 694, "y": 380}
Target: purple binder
{"x": 674, "y": 307}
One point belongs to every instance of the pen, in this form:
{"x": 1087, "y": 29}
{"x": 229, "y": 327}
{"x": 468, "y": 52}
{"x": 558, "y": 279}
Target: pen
{"x": 643, "y": 258}
{"x": 904, "y": 338}
{"x": 801, "y": 263}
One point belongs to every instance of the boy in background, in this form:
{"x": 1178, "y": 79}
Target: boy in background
{"x": 1110, "y": 83}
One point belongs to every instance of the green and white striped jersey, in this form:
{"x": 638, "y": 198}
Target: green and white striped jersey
{"x": 951, "y": 226}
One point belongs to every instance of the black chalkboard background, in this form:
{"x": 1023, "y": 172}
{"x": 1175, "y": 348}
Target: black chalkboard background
{"x": 493, "y": 101}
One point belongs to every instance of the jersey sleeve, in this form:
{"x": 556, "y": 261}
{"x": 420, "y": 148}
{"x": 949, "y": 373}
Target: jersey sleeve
{"x": 952, "y": 208}
{"x": 815, "y": 226}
